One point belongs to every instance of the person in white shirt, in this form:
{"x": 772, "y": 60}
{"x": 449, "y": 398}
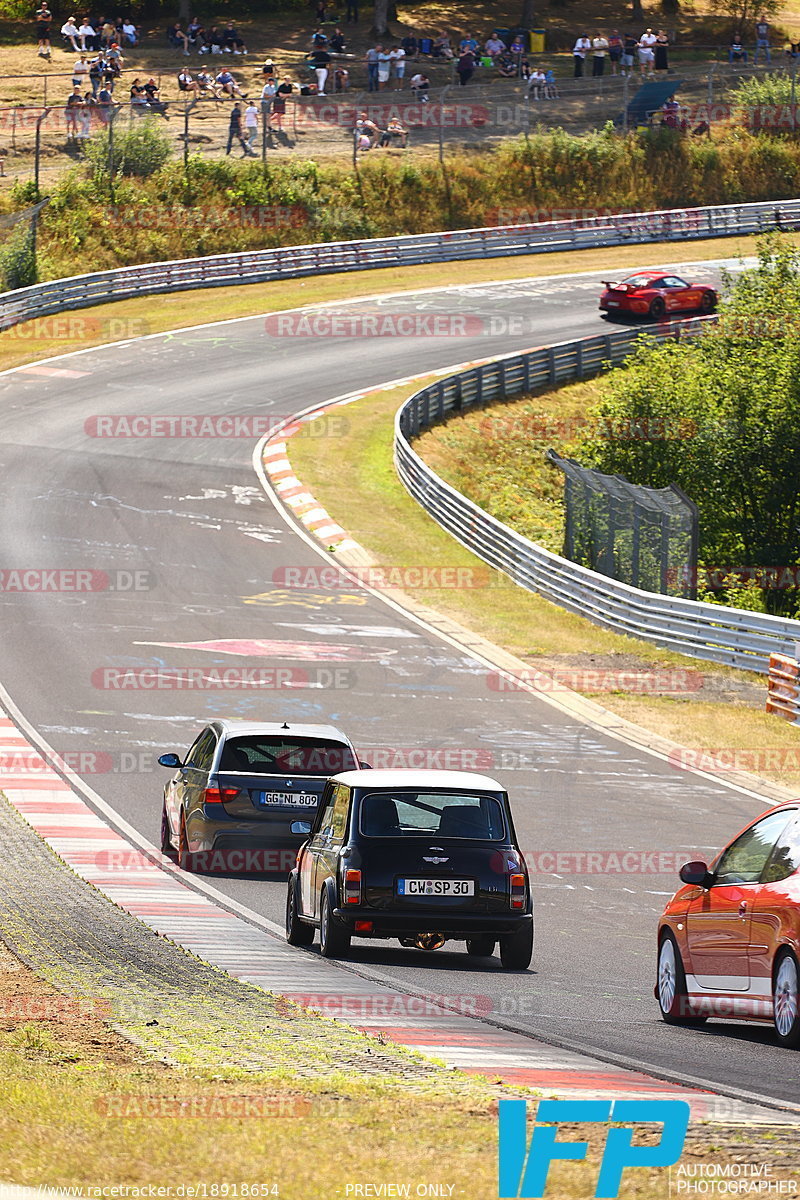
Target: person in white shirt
{"x": 80, "y": 72}
{"x": 70, "y": 31}
{"x": 579, "y": 52}
{"x": 536, "y": 83}
{"x": 86, "y": 31}
{"x": 384, "y": 65}
{"x": 419, "y": 86}
{"x": 493, "y": 46}
{"x": 398, "y": 61}
{"x": 599, "y": 52}
{"x": 647, "y": 54}
{"x": 251, "y": 125}
{"x": 129, "y": 33}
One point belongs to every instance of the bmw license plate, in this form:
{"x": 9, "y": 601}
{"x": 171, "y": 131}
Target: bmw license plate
{"x": 287, "y": 799}
{"x": 435, "y": 887}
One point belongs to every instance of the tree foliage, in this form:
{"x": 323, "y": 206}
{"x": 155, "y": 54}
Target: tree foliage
{"x": 719, "y": 414}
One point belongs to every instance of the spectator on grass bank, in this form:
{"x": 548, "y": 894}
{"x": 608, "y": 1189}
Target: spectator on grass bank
{"x": 251, "y": 125}
{"x": 465, "y": 67}
{"x": 73, "y": 104}
{"x": 736, "y": 50}
{"x": 442, "y": 47}
{"x": 154, "y": 101}
{"x": 97, "y": 71}
{"x": 410, "y": 44}
{"x": 579, "y": 51}
{"x": 420, "y": 86}
{"x": 235, "y": 131}
{"x": 227, "y": 84}
{"x": 283, "y": 90}
{"x": 268, "y": 69}
{"x": 108, "y": 34}
{"x": 629, "y": 50}
{"x": 267, "y": 96}
{"x": 319, "y": 40}
{"x": 384, "y": 69}
{"x": 661, "y": 49}
{"x": 232, "y": 43}
{"x": 205, "y": 83}
{"x": 494, "y": 46}
{"x": 44, "y": 19}
{"x": 337, "y": 43}
{"x": 195, "y": 32}
{"x": 341, "y": 80}
{"x": 69, "y": 30}
{"x": 87, "y": 35}
{"x": 130, "y": 34}
{"x": 395, "y": 131}
{"x": 397, "y": 56}
{"x": 105, "y": 105}
{"x": 599, "y": 52}
{"x": 537, "y": 84}
{"x": 518, "y": 45}
{"x": 647, "y": 55}
{"x": 320, "y": 61}
{"x": 468, "y": 42}
{"x": 372, "y": 56}
{"x": 762, "y": 39}
{"x": 85, "y": 111}
{"x": 186, "y": 83}
{"x": 80, "y": 71}
{"x": 615, "y": 49}
{"x": 176, "y": 37}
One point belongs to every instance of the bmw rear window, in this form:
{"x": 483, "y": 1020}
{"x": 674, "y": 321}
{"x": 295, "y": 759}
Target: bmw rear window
{"x": 407, "y": 813}
{"x": 285, "y": 755}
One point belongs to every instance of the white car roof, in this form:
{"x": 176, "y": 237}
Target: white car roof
{"x": 401, "y": 777}
{"x": 234, "y": 728}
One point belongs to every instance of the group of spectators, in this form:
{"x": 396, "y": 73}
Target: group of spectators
{"x": 84, "y": 34}
{"x": 213, "y": 40}
{"x": 623, "y": 51}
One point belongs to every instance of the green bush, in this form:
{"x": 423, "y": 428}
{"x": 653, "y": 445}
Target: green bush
{"x": 140, "y": 150}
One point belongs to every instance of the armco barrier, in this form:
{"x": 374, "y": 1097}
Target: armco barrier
{"x": 726, "y": 635}
{"x": 291, "y": 262}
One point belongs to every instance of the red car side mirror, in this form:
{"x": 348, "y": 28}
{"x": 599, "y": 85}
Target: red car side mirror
{"x": 696, "y": 873}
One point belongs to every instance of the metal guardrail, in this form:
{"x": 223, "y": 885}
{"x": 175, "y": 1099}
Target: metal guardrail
{"x": 291, "y": 262}
{"x": 709, "y": 631}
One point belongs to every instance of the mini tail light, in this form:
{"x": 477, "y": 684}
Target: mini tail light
{"x": 352, "y": 886}
{"x": 363, "y": 926}
{"x": 215, "y": 795}
{"x": 517, "y": 884}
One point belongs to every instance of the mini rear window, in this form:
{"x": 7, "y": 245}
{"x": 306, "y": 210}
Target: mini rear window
{"x": 281, "y": 756}
{"x": 473, "y": 817}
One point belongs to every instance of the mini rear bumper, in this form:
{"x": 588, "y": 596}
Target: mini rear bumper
{"x": 449, "y": 924}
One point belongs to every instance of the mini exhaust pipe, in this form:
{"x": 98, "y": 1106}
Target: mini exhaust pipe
{"x": 425, "y": 941}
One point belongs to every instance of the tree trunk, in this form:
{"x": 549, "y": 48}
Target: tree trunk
{"x": 380, "y": 19}
{"x": 526, "y": 15}
{"x": 184, "y": 11}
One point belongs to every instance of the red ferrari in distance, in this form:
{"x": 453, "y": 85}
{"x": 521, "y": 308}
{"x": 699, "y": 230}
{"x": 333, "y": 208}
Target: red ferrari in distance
{"x": 729, "y": 939}
{"x": 654, "y": 294}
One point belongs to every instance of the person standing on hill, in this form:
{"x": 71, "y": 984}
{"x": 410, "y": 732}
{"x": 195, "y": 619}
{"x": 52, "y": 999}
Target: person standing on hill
{"x": 579, "y": 52}
{"x": 599, "y": 52}
{"x": 762, "y": 39}
{"x": 44, "y": 19}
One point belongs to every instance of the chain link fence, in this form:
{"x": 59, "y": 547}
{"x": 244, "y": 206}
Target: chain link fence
{"x": 645, "y": 537}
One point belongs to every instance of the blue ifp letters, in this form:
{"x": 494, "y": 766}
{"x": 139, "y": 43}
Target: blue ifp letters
{"x": 523, "y": 1170}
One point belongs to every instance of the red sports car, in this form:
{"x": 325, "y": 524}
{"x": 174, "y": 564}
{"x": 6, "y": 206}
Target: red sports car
{"x": 654, "y": 294}
{"x": 729, "y": 941}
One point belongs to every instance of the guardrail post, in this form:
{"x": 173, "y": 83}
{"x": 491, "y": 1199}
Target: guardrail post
{"x": 479, "y": 385}
{"x": 579, "y": 360}
{"x": 551, "y": 364}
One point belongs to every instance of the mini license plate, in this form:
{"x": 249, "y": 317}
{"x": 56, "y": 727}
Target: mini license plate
{"x": 287, "y": 799}
{"x": 435, "y": 887}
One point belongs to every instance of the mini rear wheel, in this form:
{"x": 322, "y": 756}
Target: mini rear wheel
{"x": 481, "y": 946}
{"x": 334, "y": 940}
{"x": 297, "y": 932}
{"x": 785, "y": 1001}
{"x": 516, "y": 949}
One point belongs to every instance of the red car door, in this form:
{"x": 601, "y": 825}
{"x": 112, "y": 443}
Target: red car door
{"x": 719, "y": 919}
{"x": 677, "y": 294}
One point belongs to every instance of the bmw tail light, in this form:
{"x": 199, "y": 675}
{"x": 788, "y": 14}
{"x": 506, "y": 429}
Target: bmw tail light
{"x": 517, "y": 888}
{"x": 215, "y": 795}
{"x": 352, "y": 886}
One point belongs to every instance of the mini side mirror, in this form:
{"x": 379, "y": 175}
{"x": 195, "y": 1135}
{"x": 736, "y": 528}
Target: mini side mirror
{"x": 170, "y": 760}
{"x": 696, "y": 873}
{"x": 365, "y": 766}
{"x": 301, "y": 827}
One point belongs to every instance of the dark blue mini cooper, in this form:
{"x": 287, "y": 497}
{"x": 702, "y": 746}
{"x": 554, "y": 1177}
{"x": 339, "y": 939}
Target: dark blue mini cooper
{"x": 423, "y": 856}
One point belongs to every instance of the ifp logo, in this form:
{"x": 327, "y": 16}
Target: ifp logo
{"x": 523, "y": 1169}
